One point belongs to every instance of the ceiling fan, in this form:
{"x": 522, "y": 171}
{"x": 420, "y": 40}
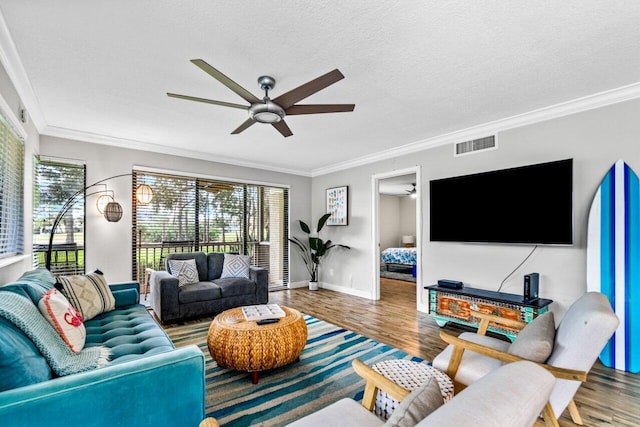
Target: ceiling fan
{"x": 412, "y": 192}
{"x": 270, "y": 111}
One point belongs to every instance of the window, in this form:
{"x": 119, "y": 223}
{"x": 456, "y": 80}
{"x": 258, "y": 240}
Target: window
{"x": 55, "y": 181}
{"x": 11, "y": 191}
{"x": 196, "y": 214}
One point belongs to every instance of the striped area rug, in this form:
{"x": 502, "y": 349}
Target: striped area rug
{"x": 322, "y": 376}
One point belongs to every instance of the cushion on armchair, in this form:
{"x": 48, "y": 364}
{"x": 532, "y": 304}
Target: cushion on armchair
{"x": 535, "y": 341}
{"x": 417, "y": 405}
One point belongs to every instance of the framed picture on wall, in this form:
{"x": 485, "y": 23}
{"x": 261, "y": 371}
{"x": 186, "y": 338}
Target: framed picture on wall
{"x": 338, "y": 205}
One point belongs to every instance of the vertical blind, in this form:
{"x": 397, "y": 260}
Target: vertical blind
{"x": 11, "y": 191}
{"x": 195, "y": 214}
{"x": 54, "y": 182}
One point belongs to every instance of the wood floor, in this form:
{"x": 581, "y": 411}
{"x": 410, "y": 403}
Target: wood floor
{"x": 608, "y": 398}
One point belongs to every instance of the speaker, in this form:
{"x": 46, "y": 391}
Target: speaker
{"x": 452, "y": 284}
{"x": 531, "y": 286}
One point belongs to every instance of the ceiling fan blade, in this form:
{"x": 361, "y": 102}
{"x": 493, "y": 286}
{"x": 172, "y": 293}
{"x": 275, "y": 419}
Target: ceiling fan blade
{"x": 282, "y": 128}
{"x": 245, "y": 94}
{"x": 319, "y": 108}
{"x": 243, "y": 126}
{"x": 208, "y": 101}
{"x": 286, "y": 100}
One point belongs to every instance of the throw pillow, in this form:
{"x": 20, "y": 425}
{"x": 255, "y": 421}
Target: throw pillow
{"x": 417, "y": 405}
{"x": 236, "y": 266}
{"x": 535, "y": 341}
{"x": 64, "y": 318}
{"x": 185, "y": 270}
{"x": 88, "y": 293}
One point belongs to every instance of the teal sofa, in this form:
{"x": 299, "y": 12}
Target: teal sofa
{"x": 147, "y": 382}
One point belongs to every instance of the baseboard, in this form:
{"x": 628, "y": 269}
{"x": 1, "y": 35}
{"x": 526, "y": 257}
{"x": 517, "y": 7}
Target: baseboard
{"x": 342, "y": 289}
{"x": 345, "y": 290}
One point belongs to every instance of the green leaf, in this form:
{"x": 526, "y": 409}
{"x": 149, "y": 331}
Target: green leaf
{"x": 323, "y": 219}
{"x": 304, "y": 226}
{"x": 315, "y": 243}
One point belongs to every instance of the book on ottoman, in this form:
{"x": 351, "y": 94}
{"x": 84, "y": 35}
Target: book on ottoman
{"x": 259, "y": 312}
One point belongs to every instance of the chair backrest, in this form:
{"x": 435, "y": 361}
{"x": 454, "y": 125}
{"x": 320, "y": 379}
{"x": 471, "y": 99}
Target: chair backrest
{"x": 580, "y": 337}
{"x": 512, "y": 395}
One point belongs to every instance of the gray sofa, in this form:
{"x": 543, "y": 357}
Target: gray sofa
{"x": 211, "y": 295}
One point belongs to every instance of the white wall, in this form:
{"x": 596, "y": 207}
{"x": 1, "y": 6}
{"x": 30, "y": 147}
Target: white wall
{"x": 407, "y": 216}
{"x": 389, "y": 221}
{"x": 108, "y": 245}
{"x": 595, "y": 139}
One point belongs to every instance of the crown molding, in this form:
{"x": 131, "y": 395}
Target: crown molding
{"x": 578, "y": 105}
{"x": 76, "y": 135}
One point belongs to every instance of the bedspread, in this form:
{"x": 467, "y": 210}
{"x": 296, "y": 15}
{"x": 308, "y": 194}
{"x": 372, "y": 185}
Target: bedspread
{"x": 405, "y": 256}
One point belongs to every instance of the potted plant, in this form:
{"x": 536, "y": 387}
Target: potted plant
{"x": 312, "y": 251}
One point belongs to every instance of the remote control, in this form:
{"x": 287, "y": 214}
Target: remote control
{"x": 267, "y": 321}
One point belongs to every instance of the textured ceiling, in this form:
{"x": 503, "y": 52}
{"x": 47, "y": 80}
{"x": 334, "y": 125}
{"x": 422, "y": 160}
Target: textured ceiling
{"x": 415, "y": 69}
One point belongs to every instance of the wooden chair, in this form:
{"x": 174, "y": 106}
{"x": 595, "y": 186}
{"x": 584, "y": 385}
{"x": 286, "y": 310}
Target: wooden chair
{"x": 579, "y": 339}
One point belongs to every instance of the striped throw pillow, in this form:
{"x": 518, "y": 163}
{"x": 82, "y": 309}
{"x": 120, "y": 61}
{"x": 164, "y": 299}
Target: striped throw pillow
{"x": 88, "y": 293}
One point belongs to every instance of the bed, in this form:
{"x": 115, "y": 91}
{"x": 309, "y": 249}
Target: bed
{"x": 404, "y": 257}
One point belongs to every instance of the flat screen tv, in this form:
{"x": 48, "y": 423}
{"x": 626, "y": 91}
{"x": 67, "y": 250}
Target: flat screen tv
{"x": 527, "y": 205}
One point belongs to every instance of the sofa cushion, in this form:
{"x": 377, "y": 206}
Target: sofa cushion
{"x": 199, "y": 257}
{"x": 21, "y": 363}
{"x": 417, "y": 405}
{"x": 201, "y": 291}
{"x": 89, "y": 293}
{"x": 185, "y": 270}
{"x": 215, "y": 261}
{"x": 235, "y": 266}
{"x": 65, "y": 319}
{"x": 236, "y": 286}
{"x": 535, "y": 341}
{"x": 130, "y": 333}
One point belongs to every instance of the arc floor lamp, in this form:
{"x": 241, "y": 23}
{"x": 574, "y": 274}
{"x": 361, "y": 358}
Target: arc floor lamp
{"x": 106, "y": 204}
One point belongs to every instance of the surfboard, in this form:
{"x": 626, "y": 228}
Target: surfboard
{"x": 613, "y": 261}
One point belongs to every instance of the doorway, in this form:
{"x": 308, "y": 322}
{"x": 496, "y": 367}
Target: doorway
{"x": 397, "y": 192}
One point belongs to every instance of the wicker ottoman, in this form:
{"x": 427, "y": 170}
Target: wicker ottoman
{"x": 236, "y": 343}
{"x": 409, "y": 375}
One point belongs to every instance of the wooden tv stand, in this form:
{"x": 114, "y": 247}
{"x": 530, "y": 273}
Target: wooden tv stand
{"x": 455, "y": 305}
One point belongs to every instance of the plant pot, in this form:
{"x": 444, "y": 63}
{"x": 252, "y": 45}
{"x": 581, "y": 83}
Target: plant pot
{"x": 313, "y": 286}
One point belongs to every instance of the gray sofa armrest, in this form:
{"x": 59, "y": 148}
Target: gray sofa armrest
{"x": 261, "y": 277}
{"x": 164, "y": 296}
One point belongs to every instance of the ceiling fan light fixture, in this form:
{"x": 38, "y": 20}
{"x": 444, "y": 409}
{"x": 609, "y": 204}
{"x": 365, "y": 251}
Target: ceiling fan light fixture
{"x": 268, "y": 112}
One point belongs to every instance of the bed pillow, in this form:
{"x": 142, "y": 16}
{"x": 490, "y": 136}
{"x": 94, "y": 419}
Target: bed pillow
{"x": 88, "y": 293}
{"x": 236, "y": 266}
{"x": 185, "y": 270}
{"x": 64, "y": 318}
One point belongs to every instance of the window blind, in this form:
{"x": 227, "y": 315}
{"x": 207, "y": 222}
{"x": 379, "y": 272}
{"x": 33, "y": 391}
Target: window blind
{"x": 195, "y": 214}
{"x": 54, "y": 182}
{"x": 11, "y": 191}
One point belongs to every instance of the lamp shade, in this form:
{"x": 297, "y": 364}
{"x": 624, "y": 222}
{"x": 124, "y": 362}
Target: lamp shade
{"x": 408, "y": 240}
{"x": 144, "y": 194}
{"x": 113, "y": 212}
{"x": 103, "y": 201}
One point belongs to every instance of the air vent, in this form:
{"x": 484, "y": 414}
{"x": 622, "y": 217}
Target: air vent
{"x": 467, "y": 147}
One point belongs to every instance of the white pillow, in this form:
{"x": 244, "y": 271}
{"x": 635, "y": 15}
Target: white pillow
{"x": 236, "y": 266}
{"x": 185, "y": 270}
{"x": 88, "y": 293}
{"x": 64, "y": 318}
